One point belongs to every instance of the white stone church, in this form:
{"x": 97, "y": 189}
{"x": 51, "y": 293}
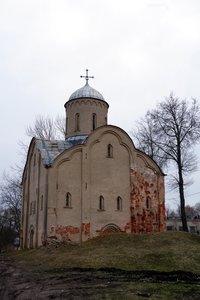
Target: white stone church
{"x": 92, "y": 183}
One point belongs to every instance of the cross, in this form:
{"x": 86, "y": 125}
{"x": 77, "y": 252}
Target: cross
{"x": 87, "y": 77}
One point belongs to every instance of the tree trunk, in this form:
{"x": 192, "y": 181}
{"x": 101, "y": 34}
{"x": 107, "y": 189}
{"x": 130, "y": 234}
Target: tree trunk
{"x": 182, "y": 201}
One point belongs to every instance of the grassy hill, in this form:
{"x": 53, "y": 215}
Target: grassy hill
{"x": 117, "y": 267}
{"x": 167, "y": 251}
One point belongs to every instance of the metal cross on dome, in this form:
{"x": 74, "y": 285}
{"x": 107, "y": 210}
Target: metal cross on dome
{"x": 86, "y": 76}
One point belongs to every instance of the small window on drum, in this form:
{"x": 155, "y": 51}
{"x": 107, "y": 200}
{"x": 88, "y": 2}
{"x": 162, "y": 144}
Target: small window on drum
{"x": 94, "y": 121}
{"x": 77, "y": 121}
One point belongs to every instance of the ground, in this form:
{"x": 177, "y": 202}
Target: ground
{"x": 56, "y": 272}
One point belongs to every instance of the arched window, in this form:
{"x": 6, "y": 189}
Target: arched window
{"x": 101, "y": 203}
{"x": 109, "y": 151}
{"x": 94, "y": 121}
{"x": 119, "y": 203}
{"x": 148, "y": 202}
{"x": 68, "y": 200}
{"x": 77, "y": 121}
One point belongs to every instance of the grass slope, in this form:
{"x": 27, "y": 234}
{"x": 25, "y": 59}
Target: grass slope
{"x": 167, "y": 251}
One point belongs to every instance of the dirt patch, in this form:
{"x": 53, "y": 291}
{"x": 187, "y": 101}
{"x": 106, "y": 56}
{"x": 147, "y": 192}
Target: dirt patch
{"x": 77, "y": 283}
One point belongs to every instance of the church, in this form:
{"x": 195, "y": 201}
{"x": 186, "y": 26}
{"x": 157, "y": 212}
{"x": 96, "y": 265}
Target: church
{"x": 94, "y": 182}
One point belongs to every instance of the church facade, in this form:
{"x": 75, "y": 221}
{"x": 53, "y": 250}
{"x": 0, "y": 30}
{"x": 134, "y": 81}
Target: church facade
{"x": 92, "y": 183}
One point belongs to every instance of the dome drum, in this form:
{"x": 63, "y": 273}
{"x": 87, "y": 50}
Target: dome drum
{"x": 86, "y": 110}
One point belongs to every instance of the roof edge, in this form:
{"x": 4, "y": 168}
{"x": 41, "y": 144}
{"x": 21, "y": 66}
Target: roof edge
{"x": 79, "y": 98}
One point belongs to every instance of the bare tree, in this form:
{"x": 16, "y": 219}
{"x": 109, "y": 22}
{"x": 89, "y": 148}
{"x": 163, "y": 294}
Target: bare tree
{"x": 47, "y": 129}
{"x": 10, "y": 209}
{"x": 60, "y": 127}
{"x": 10, "y": 187}
{"x": 144, "y": 135}
{"x": 168, "y": 134}
{"x": 43, "y": 128}
{"x": 10, "y": 198}
{"x": 7, "y": 232}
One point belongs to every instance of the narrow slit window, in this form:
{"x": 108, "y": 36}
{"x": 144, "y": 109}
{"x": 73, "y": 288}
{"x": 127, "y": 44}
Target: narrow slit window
{"x": 77, "y": 121}
{"x": 94, "y": 121}
{"x": 101, "y": 203}
{"x": 41, "y": 203}
{"x": 68, "y": 200}
{"x": 32, "y": 207}
{"x": 148, "y": 202}
{"x": 119, "y": 203}
{"x": 109, "y": 151}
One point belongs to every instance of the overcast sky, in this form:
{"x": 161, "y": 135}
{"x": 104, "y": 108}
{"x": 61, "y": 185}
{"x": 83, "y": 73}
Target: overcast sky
{"x": 138, "y": 50}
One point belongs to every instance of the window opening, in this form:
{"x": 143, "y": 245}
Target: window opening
{"x": 119, "y": 203}
{"x": 33, "y": 207}
{"x": 148, "y": 202}
{"x": 77, "y": 120}
{"x": 94, "y": 121}
{"x": 101, "y": 203}
{"x": 109, "y": 151}
{"x": 68, "y": 200}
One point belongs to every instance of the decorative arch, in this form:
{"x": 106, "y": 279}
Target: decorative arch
{"x": 155, "y": 168}
{"x": 76, "y": 149}
{"x": 110, "y": 228}
{"x": 117, "y": 135}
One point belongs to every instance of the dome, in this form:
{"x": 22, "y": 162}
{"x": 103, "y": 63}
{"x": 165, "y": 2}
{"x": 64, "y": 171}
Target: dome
{"x": 86, "y": 92}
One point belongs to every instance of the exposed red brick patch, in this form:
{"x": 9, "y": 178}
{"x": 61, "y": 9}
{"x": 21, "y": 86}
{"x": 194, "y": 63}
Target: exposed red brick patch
{"x": 144, "y": 218}
{"x": 85, "y": 228}
{"x": 64, "y": 232}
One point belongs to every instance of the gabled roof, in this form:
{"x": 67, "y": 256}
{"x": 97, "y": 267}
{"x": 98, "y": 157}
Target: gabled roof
{"x": 49, "y": 150}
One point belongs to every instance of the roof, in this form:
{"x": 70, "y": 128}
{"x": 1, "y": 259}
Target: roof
{"x": 86, "y": 92}
{"x": 49, "y": 150}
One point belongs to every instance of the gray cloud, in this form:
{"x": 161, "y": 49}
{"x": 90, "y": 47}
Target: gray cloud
{"x": 138, "y": 52}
